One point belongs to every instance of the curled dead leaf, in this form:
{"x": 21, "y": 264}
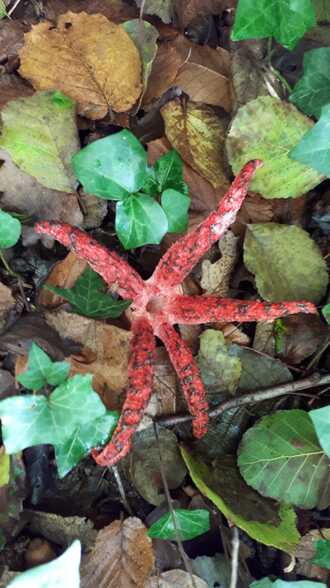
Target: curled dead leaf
{"x": 102, "y": 64}
{"x": 122, "y": 557}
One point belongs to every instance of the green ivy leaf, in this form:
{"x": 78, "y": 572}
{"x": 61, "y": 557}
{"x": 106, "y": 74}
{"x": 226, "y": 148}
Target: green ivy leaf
{"x": 40, "y": 134}
{"x": 58, "y": 420}
{"x": 10, "y": 230}
{"x": 321, "y": 420}
{"x": 322, "y": 556}
{"x": 112, "y": 167}
{"x": 189, "y": 523}
{"x": 312, "y": 91}
{"x": 267, "y": 583}
{"x": 326, "y": 313}
{"x": 42, "y": 370}
{"x": 88, "y": 298}
{"x": 286, "y": 262}
{"x": 140, "y": 220}
{"x": 285, "y": 20}
{"x": 62, "y": 571}
{"x": 176, "y": 205}
{"x": 314, "y": 147}
{"x": 267, "y": 129}
{"x": 169, "y": 172}
{"x": 281, "y": 458}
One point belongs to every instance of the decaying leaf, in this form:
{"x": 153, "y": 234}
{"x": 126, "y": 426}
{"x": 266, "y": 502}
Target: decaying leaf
{"x": 40, "y": 134}
{"x": 12, "y": 87}
{"x": 161, "y": 8}
{"x": 11, "y": 38}
{"x": 122, "y": 557}
{"x": 115, "y": 10}
{"x": 188, "y": 10}
{"x": 175, "y": 579}
{"x": 306, "y": 551}
{"x": 145, "y": 464}
{"x": 105, "y": 353}
{"x": 216, "y": 276}
{"x": 301, "y": 336}
{"x": 7, "y": 301}
{"x": 200, "y": 71}
{"x": 102, "y": 64}
{"x": 220, "y": 371}
{"x": 198, "y": 134}
{"x": 60, "y": 529}
{"x": 23, "y": 193}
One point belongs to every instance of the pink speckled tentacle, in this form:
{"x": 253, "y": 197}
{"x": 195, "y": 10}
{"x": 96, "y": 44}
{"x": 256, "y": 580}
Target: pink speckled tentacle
{"x": 183, "y": 255}
{"x": 112, "y": 268}
{"x": 189, "y": 376}
{"x": 207, "y": 309}
{"x": 140, "y": 376}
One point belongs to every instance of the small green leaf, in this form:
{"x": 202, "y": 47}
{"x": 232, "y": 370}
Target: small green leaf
{"x": 322, "y": 556}
{"x": 73, "y": 419}
{"x": 321, "y": 420}
{"x": 62, "y": 571}
{"x": 87, "y": 298}
{"x": 287, "y": 263}
{"x": 189, "y": 524}
{"x": 169, "y": 172}
{"x": 267, "y": 128}
{"x": 285, "y": 20}
{"x": 314, "y": 148}
{"x": 112, "y": 167}
{"x": 267, "y": 583}
{"x": 326, "y": 313}
{"x": 281, "y": 458}
{"x": 40, "y": 134}
{"x": 41, "y": 370}
{"x": 10, "y": 230}
{"x": 312, "y": 91}
{"x": 175, "y": 204}
{"x": 3, "y": 9}
{"x": 140, "y": 220}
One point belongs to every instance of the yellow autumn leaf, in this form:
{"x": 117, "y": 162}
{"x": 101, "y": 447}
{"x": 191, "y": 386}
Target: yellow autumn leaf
{"x": 198, "y": 134}
{"x": 88, "y": 58}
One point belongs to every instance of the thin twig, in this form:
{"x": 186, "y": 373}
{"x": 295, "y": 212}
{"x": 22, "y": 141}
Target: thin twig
{"x": 183, "y": 554}
{"x": 252, "y": 397}
{"x": 234, "y": 557}
{"x": 121, "y": 490}
{"x": 10, "y": 12}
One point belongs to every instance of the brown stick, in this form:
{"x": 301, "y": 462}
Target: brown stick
{"x": 290, "y": 388}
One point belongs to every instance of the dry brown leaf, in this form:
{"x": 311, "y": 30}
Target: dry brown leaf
{"x": 204, "y": 198}
{"x": 105, "y": 354}
{"x": 101, "y": 63}
{"x": 122, "y": 557}
{"x": 188, "y": 10}
{"x": 12, "y": 87}
{"x": 200, "y": 71}
{"x": 198, "y": 134}
{"x": 163, "y": 399}
{"x": 115, "y": 10}
{"x": 7, "y": 301}
{"x": 64, "y": 275}
{"x": 60, "y": 529}
{"x": 216, "y": 276}
{"x": 11, "y": 39}
{"x": 22, "y": 193}
{"x": 175, "y": 579}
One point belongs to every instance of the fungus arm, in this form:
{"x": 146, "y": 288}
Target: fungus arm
{"x": 140, "y": 378}
{"x": 112, "y": 268}
{"x": 208, "y": 309}
{"x": 189, "y": 376}
{"x": 183, "y": 255}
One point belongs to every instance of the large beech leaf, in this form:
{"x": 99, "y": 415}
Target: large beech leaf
{"x": 314, "y": 147}
{"x": 188, "y": 524}
{"x": 89, "y": 58}
{"x": 312, "y": 91}
{"x": 61, "y": 572}
{"x": 140, "y": 220}
{"x": 321, "y": 421}
{"x": 58, "y": 420}
{"x": 87, "y": 297}
{"x": 198, "y": 134}
{"x": 278, "y": 531}
{"x": 40, "y": 134}
{"x": 280, "y": 457}
{"x": 10, "y": 230}
{"x": 112, "y": 167}
{"x": 268, "y": 129}
{"x": 286, "y": 20}
{"x": 286, "y": 262}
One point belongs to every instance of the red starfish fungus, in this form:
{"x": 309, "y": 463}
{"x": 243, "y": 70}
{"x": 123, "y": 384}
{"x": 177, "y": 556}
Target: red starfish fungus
{"x": 157, "y": 305}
